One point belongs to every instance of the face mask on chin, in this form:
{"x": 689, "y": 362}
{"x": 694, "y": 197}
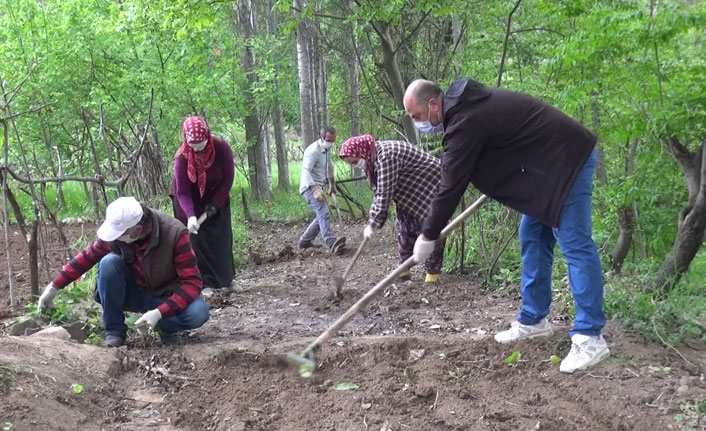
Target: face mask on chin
{"x": 360, "y": 165}
{"x": 198, "y": 146}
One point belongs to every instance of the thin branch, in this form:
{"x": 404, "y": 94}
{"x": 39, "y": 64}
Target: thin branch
{"x": 654, "y": 327}
{"x": 121, "y": 182}
{"x": 414, "y": 30}
{"x": 522, "y": 30}
{"x": 98, "y": 179}
{"x": 464, "y": 26}
{"x": 29, "y": 111}
{"x": 507, "y": 38}
{"x": 17, "y": 88}
{"x": 322, "y": 15}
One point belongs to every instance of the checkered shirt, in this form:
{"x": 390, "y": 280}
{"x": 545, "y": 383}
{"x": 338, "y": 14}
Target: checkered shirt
{"x": 406, "y": 176}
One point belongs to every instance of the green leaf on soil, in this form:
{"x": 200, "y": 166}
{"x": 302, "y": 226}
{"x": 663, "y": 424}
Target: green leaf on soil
{"x": 345, "y": 386}
{"x": 77, "y": 388}
{"x": 305, "y": 371}
{"x": 514, "y": 357}
{"x": 555, "y": 359}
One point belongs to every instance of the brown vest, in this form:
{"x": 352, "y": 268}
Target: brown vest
{"x": 158, "y": 260}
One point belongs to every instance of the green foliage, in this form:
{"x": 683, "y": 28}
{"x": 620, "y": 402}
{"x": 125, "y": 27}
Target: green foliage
{"x": 75, "y": 303}
{"x": 628, "y": 69}
{"x": 675, "y": 318}
{"x": 690, "y": 414}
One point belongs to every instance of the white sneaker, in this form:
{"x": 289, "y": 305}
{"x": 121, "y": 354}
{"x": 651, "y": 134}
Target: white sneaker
{"x": 586, "y": 351}
{"x": 518, "y": 331}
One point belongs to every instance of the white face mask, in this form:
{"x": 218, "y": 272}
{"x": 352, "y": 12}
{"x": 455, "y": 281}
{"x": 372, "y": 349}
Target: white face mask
{"x": 126, "y": 239}
{"x": 360, "y": 165}
{"x": 198, "y": 146}
{"x": 426, "y": 126}
{"x": 127, "y": 236}
{"x": 326, "y": 144}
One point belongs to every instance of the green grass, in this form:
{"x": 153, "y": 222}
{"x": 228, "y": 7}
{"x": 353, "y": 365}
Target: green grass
{"x": 75, "y": 303}
{"x": 673, "y": 317}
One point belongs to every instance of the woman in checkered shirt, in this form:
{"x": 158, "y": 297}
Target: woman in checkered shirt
{"x": 401, "y": 173}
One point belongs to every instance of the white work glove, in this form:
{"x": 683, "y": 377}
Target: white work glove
{"x": 368, "y": 231}
{"x": 149, "y": 318}
{"x": 192, "y": 224}
{"x": 47, "y": 298}
{"x": 423, "y": 248}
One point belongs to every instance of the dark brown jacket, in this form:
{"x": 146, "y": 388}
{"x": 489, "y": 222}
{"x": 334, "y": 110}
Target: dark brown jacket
{"x": 516, "y": 149}
{"x": 158, "y": 260}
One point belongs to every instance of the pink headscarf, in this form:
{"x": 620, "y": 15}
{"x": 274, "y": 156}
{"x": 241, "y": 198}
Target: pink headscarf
{"x": 196, "y": 130}
{"x": 362, "y": 147}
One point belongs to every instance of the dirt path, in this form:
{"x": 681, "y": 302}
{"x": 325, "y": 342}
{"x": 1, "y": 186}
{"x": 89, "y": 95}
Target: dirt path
{"x": 422, "y": 358}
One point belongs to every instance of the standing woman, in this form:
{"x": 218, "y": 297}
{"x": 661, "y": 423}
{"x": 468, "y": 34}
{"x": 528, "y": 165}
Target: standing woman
{"x": 401, "y": 173}
{"x": 203, "y": 176}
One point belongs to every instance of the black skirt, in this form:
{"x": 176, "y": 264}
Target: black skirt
{"x": 213, "y": 246}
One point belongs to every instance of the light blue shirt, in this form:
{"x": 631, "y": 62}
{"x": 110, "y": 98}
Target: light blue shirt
{"x": 317, "y": 166}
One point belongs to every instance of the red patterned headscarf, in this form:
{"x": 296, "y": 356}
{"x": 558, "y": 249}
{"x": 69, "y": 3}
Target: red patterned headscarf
{"x": 362, "y": 147}
{"x": 196, "y": 130}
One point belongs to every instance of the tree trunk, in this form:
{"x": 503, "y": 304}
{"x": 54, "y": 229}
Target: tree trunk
{"x": 6, "y": 217}
{"x": 626, "y": 215}
{"x": 283, "y": 182}
{"x": 306, "y": 91}
{"x": 596, "y": 122}
{"x": 319, "y": 64}
{"x": 392, "y": 68}
{"x": 253, "y": 133}
{"x": 32, "y": 246}
{"x": 353, "y": 69}
{"x": 622, "y": 245}
{"x": 354, "y": 96}
{"x": 252, "y": 177}
{"x": 265, "y": 131}
{"x": 313, "y": 77}
{"x": 692, "y": 218}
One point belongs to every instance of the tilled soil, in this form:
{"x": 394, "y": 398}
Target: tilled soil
{"x": 417, "y": 358}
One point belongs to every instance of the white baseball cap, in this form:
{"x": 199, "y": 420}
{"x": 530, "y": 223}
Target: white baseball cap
{"x": 121, "y": 215}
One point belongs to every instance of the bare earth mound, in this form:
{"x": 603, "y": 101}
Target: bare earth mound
{"x": 417, "y": 358}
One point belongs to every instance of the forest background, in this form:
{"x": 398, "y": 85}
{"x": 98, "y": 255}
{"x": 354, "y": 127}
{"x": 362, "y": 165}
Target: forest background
{"x": 95, "y": 92}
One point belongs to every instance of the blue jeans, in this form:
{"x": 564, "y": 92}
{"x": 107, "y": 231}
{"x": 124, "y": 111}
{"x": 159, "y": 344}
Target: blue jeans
{"x": 322, "y": 222}
{"x": 580, "y": 252}
{"x": 118, "y": 292}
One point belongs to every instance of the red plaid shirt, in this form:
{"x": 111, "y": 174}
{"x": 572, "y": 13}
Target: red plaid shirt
{"x": 184, "y": 263}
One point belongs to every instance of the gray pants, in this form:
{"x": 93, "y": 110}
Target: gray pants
{"x": 322, "y": 222}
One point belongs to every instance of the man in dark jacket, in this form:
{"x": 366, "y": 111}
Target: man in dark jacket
{"x": 145, "y": 264}
{"x": 535, "y": 159}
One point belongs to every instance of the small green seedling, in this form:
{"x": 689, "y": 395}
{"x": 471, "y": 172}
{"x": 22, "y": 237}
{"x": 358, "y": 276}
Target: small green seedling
{"x": 305, "y": 371}
{"x": 555, "y": 359}
{"x": 8, "y": 426}
{"x": 77, "y": 388}
{"x": 345, "y": 386}
{"x": 513, "y": 358}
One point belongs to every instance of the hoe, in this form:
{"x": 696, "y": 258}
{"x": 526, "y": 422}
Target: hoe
{"x": 306, "y": 361}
